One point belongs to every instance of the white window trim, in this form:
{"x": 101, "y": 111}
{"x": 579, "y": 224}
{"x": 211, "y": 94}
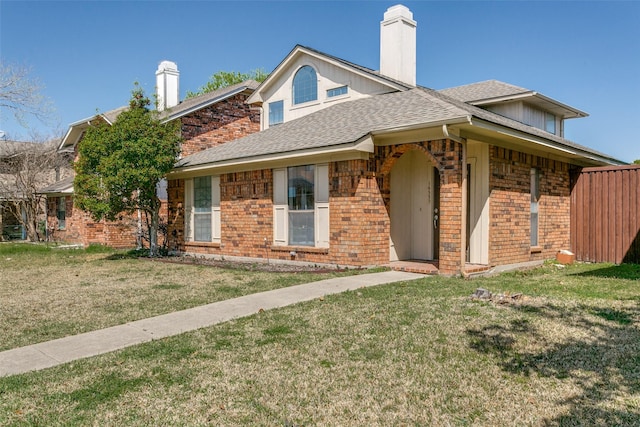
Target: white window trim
{"x": 320, "y": 211}
{"x": 189, "y": 211}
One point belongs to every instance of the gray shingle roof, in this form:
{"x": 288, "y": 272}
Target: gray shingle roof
{"x": 348, "y": 122}
{"x": 342, "y": 123}
{"x": 514, "y": 124}
{"x": 112, "y": 115}
{"x": 489, "y": 89}
{"x": 63, "y": 186}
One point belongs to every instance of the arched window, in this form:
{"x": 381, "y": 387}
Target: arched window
{"x": 305, "y": 85}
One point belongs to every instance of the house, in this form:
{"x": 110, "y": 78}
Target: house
{"x": 24, "y": 168}
{"x": 356, "y": 167}
{"x": 206, "y": 121}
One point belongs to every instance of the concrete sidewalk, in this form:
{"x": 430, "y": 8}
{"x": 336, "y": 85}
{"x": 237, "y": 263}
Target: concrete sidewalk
{"x": 51, "y": 353}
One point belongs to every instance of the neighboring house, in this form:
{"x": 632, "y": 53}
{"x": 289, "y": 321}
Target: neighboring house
{"x": 11, "y": 227}
{"x": 207, "y": 120}
{"x": 358, "y": 167}
{"x": 24, "y": 168}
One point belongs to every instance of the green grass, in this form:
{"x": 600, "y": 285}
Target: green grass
{"x": 413, "y": 353}
{"x": 49, "y": 293}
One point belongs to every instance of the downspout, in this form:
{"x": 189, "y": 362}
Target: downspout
{"x": 463, "y": 213}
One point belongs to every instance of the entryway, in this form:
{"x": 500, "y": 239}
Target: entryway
{"x": 414, "y": 200}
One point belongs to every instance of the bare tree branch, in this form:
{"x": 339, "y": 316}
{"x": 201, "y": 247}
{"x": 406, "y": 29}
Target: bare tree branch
{"x": 22, "y": 95}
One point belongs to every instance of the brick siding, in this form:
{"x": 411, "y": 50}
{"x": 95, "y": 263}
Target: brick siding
{"x": 510, "y": 207}
{"x": 360, "y": 198}
{"x": 81, "y": 229}
{"x": 222, "y": 122}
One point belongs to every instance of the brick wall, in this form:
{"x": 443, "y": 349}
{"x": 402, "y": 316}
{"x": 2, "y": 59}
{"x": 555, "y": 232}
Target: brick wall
{"x": 358, "y": 222}
{"x": 222, "y": 122}
{"x": 359, "y": 225}
{"x": 81, "y": 229}
{"x": 360, "y": 202}
{"x": 510, "y": 207}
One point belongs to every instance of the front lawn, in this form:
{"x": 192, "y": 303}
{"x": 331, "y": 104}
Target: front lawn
{"x": 565, "y": 352}
{"x": 49, "y": 293}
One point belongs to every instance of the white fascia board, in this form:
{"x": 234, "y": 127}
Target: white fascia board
{"x": 543, "y": 142}
{"x": 530, "y": 94}
{"x": 434, "y": 124}
{"x": 505, "y": 98}
{"x": 79, "y": 125}
{"x": 360, "y": 149}
{"x": 67, "y": 135}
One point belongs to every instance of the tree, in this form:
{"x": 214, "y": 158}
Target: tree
{"x": 25, "y": 168}
{"x": 227, "y": 78}
{"x": 119, "y": 166}
{"x": 636, "y": 162}
{"x": 22, "y": 94}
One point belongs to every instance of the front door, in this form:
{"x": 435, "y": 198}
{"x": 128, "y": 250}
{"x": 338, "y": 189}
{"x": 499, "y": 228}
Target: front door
{"x": 412, "y": 208}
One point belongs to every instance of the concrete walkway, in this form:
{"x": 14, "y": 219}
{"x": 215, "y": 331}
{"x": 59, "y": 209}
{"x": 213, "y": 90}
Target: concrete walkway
{"x": 51, "y": 353}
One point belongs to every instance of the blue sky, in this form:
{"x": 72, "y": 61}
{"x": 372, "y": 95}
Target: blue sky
{"x": 88, "y": 54}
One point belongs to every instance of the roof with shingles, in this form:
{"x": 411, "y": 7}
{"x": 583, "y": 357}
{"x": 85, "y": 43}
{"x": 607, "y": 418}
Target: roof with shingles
{"x": 348, "y": 122}
{"x": 489, "y": 89}
{"x": 339, "y": 124}
{"x": 63, "y": 186}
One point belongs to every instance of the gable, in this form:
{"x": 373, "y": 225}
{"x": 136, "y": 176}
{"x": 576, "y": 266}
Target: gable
{"x": 332, "y": 73}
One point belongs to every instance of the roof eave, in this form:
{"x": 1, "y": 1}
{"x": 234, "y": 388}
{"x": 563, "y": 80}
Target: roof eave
{"x": 361, "y": 148}
{"x": 581, "y": 156}
{"x": 572, "y": 112}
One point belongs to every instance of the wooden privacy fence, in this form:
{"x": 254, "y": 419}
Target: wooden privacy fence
{"x": 605, "y": 215}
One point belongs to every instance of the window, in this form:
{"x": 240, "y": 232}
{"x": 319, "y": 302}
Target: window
{"x": 550, "y": 123}
{"x": 535, "y": 198}
{"x": 305, "y": 85}
{"x": 276, "y": 113}
{"x": 202, "y": 209}
{"x": 62, "y": 213}
{"x": 342, "y": 90}
{"x": 301, "y": 206}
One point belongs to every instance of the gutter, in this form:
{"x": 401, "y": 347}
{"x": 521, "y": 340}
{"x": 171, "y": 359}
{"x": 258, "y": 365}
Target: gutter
{"x": 583, "y": 152}
{"x": 361, "y": 148}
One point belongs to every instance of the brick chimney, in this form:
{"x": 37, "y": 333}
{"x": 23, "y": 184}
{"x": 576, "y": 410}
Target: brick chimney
{"x": 167, "y": 85}
{"x": 398, "y": 45}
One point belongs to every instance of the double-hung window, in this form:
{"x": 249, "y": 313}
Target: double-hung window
{"x": 62, "y": 213}
{"x": 202, "y": 209}
{"x": 301, "y": 206}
